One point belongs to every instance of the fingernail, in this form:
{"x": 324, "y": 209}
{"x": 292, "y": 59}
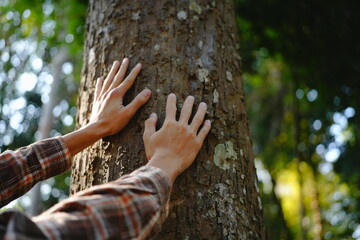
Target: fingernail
{"x": 203, "y": 104}
{"x": 191, "y": 97}
{"x": 125, "y": 59}
{"x": 153, "y": 115}
{"x": 172, "y": 94}
{"x": 147, "y": 92}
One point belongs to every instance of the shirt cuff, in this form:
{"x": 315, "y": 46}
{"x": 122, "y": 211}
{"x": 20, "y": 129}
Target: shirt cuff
{"x": 158, "y": 179}
{"x": 54, "y": 156}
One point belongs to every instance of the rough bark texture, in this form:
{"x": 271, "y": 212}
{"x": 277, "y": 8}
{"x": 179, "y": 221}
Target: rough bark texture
{"x": 190, "y": 48}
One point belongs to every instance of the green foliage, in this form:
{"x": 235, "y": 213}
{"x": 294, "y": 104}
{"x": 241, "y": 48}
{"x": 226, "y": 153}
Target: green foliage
{"x": 32, "y": 32}
{"x": 301, "y": 67}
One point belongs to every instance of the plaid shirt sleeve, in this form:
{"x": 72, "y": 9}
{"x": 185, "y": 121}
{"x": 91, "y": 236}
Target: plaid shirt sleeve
{"x": 20, "y": 170}
{"x": 132, "y": 207}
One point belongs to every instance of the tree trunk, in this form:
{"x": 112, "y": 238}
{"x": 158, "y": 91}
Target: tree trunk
{"x": 189, "y": 48}
{"x": 299, "y": 159}
{"x": 315, "y": 207}
{"x": 285, "y": 230}
{"x": 46, "y": 121}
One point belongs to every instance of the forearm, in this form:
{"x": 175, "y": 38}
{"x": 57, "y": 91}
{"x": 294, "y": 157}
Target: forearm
{"x": 84, "y": 137}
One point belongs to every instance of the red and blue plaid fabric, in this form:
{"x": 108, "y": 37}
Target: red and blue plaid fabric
{"x": 132, "y": 207}
{"x": 20, "y": 170}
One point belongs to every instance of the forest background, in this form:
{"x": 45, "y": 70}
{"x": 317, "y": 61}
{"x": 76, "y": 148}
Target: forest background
{"x": 301, "y": 69}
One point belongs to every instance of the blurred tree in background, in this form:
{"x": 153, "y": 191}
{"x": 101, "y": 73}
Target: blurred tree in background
{"x": 32, "y": 36}
{"x": 301, "y": 69}
{"x": 302, "y": 79}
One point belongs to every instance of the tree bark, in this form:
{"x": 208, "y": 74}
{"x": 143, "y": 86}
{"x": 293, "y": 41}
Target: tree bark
{"x": 190, "y": 48}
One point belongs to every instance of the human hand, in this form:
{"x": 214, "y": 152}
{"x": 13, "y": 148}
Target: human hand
{"x": 108, "y": 110}
{"x": 174, "y": 147}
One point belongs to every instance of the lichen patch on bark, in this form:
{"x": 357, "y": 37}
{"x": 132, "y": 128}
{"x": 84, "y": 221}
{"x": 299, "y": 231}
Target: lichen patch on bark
{"x": 135, "y": 15}
{"x": 225, "y": 155}
{"x": 193, "y": 6}
{"x": 91, "y": 56}
{"x": 203, "y": 74}
{"x": 229, "y": 76}
{"x": 182, "y": 15}
{"x": 215, "y": 96}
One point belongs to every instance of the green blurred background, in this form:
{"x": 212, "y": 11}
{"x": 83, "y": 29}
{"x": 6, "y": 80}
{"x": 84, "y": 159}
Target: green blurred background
{"x": 301, "y": 68}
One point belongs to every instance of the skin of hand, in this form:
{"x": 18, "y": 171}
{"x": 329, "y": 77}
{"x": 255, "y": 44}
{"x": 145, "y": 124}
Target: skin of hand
{"x": 174, "y": 146}
{"x": 108, "y": 115}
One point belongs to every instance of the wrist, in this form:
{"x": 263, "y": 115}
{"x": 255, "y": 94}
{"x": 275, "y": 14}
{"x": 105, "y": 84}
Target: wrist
{"x": 82, "y": 138}
{"x": 97, "y": 130}
{"x": 165, "y": 163}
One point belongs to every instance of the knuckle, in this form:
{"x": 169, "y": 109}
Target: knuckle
{"x": 170, "y": 123}
{"x": 196, "y": 122}
{"x": 185, "y": 109}
{"x": 197, "y": 117}
{"x": 183, "y": 127}
{"x": 148, "y": 122}
{"x": 126, "y": 112}
{"x": 113, "y": 93}
{"x": 102, "y": 97}
{"x": 205, "y": 128}
{"x": 189, "y": 133}
{"x": 142, "y": 97}
{"x": 125, "y": 82}
{"x": 198, "y": 143}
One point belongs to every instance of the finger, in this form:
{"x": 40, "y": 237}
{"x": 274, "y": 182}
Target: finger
{"x": 119, "y": 77}
{"x": 99, "y": 83}
{"x": 150, "y": 126}
{"x": 138, "y": 101}
{"x": 199, "y": 116}
{"x": 129, "y": 81}
{"x": 204, "y": 131}
{"x": 110, "y": 76}
{"x": 171, "y": 107}
{"x": 187, "y": 109}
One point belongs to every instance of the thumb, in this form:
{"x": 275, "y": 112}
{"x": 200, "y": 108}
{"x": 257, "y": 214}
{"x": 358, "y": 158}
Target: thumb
{"x": 150, "y": 126}
{"x": 138, "y": 101}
